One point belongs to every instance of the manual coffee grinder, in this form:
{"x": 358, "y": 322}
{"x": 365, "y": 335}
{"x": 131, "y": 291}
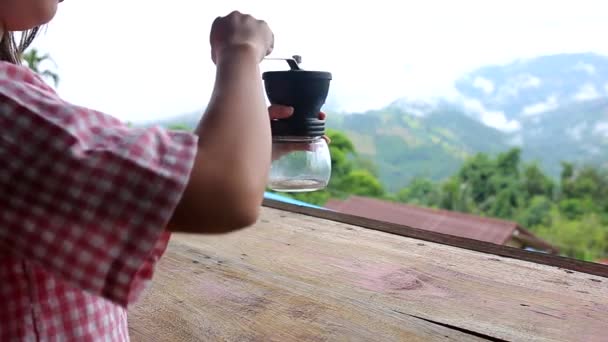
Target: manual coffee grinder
{"x": 301, "y": 158}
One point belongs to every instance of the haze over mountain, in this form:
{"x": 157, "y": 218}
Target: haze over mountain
{"x": 554, "y": 107}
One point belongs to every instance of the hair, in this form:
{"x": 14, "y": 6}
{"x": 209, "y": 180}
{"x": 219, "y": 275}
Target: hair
{"x": 11, "y": 48}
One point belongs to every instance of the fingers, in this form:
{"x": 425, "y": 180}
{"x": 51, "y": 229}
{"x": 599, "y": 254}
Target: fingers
{"x": 271, "y": 47}
{"x": 322, "y": 116}
{"x": 280, "y": 112}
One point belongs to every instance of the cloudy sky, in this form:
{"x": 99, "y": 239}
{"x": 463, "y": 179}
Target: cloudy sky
{"x": 145, "y": 59}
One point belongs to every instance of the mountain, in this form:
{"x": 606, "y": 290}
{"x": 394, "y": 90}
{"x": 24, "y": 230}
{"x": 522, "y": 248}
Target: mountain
{"x": 553, "y": 106}
{"x": 406, "y": 145}
{"x": 577, "y": 133}
{"x": 529, "y": 87}
{"x": 558, "y": 105}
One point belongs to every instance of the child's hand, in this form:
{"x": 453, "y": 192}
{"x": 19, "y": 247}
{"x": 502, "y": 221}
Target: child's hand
{"x": 282, "y": 112}
{"x": 238, "y": 31}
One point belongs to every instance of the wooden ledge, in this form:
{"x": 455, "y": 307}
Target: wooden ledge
{"x": 300, "y": 274}
{"x": 450, "y": 240}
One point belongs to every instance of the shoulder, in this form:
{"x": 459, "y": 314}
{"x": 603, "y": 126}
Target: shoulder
{"x": 20, "y": 75}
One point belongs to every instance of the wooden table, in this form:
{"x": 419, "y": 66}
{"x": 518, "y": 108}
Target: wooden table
{"x": 295, "y": 277}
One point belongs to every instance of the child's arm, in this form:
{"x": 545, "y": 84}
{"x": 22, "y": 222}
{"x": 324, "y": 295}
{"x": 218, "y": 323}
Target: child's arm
{"x": 229, "y": 177}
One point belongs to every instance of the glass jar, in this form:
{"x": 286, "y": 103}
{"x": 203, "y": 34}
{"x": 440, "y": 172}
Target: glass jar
{"x": 299, "y": 164}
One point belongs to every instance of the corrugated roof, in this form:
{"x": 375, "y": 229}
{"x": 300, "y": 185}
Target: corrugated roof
{"x": 441, "y": 221}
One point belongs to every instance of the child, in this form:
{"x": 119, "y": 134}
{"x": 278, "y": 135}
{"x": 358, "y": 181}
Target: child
{"x": 87, "y": 203}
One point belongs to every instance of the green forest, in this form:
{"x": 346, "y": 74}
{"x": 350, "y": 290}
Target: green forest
{"x": 570, "y": 212}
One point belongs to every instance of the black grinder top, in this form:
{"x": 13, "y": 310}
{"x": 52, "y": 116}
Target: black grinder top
{"x": 305, "y": 91}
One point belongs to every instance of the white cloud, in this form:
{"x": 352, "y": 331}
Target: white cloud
{"x": 586, "y": 67}
{"x": 549, "y": 104}
{"x": 606, "y": 87}
{"x": 576, "y": 132}
{"x": 499, "y": 121}
{"x": 528, "y": 81}
{"x": 514, "y": 85}
{"x": 496, "y": 119}
{"x": 586, "y": 92}
{"x": 472, "y": 104}
{"x": 417, "y": 106}
{"x": 484, "y": 84}
{"x": 601, "y": 128}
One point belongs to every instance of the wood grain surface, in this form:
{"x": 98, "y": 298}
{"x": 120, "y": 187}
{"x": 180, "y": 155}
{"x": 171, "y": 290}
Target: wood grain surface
{"x": 294, "y": 277}
{"x": 444, "y": 239}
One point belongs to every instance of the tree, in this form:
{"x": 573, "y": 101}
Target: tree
{"x": 584, "y": 239}
{"x": 487, "y": 185}
{"x": 34, "y": 61}
{"x": 420, "y": 191}
{"x": 367, "y": 164}
{"x": 585, "y": 188}
{"x": 573, "y": 208}
{"x": 456, "y": 196}
{"x": 507, "y": 163}
{"x": 179, "y": 127}
{"x": 571, "y": 213}
{"x": 507, "y": 202}
{"x": 538, "y": 212}
{"x": 536, "y": 183}
{"x": 363, "y": 183}
{"x": 340, "y": 141}
{"x": 567, "y": 171}
{"x": 476, "y": 173}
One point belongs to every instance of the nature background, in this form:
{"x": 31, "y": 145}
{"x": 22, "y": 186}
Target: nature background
{"x": 493, "y": 108}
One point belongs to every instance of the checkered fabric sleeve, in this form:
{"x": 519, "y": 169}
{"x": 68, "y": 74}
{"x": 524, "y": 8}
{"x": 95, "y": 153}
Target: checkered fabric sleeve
{"x": 82, "y": 195}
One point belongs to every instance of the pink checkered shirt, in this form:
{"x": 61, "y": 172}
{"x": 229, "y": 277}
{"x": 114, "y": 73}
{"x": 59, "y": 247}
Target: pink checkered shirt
{"x": 84, "y": 202}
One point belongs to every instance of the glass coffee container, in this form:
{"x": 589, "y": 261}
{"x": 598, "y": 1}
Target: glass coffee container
{"x": 300, "y": 154}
